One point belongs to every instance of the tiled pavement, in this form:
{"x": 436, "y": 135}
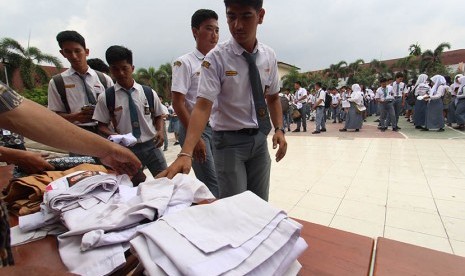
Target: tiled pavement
{"x": 407, "y": 186}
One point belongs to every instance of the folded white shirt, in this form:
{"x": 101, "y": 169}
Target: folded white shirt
{"x": 227, "y": 222}
{"x": 127, "y": 140}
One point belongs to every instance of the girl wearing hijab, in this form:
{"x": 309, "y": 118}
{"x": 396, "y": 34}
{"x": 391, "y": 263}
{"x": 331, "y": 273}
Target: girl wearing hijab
{"x": 434, "y": 107}
{"x": 453, "y": 90}
{"x": 460, "y": 106}
{"x": 422, "y": 89}
{"x": 354, "y": 119}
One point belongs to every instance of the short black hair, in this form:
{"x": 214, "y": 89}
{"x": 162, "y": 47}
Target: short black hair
{"x": 201, "y": 15}
{"x": 256, "y": 4}
{"x": 318, "y": 84}
{"x": 399, "y": 75}
{"x": 98, "y": 64}
{"x": 73, "y": 36}
{"x": 298, "y": 82}
{"x": 118, "y": 53}
{"x": 448, "y": 80}
{"x": 381, "y": 80}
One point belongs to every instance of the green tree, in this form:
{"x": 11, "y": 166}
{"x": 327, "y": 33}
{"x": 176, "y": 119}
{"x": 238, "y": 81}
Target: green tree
{"x": 163, "y": 78}
{"x": 27, "y": 60}
{"x": 431, "y": 60}
{"x": 290, "y": 78}
{"x": 415, "y": 49}
{"x": 146, "y": 76}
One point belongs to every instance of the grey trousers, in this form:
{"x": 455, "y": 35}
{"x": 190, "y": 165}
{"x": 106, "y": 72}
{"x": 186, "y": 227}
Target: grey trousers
{"x": 397, "y": 103}
{"x": 320, "y": 120}
{"x": 150, "y": 156}
{"x": 205, "y": 172}
{"x": 387, "y": 115}
{"x": 303, "y": 118}
{"x": 242, "y": 163}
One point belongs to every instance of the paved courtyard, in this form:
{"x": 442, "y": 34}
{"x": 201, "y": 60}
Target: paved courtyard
{"x": 407, "y": 186}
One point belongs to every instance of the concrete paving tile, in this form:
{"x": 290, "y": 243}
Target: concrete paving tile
{"x": 286, "y": 195}
{"x": 334, "y": 190}
{"x": 368, "y": 212}
{"x": 448, "y": 193}
{"x": 357, "y": 226}
{"x": 455, "y": 228}
{"x": 415, "y": 221}
{"x": 318, "y": 202}
{"x": 416, "y": 238}
{"x": 311, "y": 215}
{"x": 458, "y": 247}
{"x": 411, "y": 203}
{"x": 444, "y": 181}
{"x": 409, "y": 188}
{"x": 454, "y": 209}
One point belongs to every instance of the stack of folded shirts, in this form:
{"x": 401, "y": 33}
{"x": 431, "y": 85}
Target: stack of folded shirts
{"x": 233, "y": 236}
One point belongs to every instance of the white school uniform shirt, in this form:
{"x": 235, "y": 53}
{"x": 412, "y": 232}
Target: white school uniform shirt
{"x": 401, "y": 86}
{"x": 122, "y": 115}
{"x": 186, "y": 75}
{"x": 380, "y": 94}
{"x": 336, "y": 98}
{"x": 422, "y": 89}
{"x": 224, "y": 80}
{"x": 321, "y": 94}
{"x": 75, "y": 90}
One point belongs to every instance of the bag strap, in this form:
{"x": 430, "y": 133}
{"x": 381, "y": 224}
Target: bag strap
{"x": 110, "y": 101}
{"x": 102, "y": 78}
{"x": 60, "y": 85}
{"x": 150, "y": 98}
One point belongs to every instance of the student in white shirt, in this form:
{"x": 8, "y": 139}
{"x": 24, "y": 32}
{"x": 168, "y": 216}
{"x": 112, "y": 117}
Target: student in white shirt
{"x": 434, "y": 108}
{"x": 301, "y": 102}
{"x": 319, "y": 106}
{"x": 398, "y": 88}
{"x": 186, "y": 75}
{"x": 240, "y": 123}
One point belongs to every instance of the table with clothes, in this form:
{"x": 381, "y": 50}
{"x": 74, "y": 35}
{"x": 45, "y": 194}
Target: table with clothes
{"x": 101, "y": 219}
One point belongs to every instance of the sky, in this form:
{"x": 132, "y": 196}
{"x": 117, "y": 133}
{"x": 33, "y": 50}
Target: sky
{"x": 309, "y": 34}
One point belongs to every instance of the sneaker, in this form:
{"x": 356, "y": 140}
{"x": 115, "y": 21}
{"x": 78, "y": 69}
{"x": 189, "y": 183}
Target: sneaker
{"x": 357, "y": 130}
{"x": 343, "y": 130}
{"x": 316, "y": 132}
{"x": 334, "y": 122}
{"x": 165, "y": 149}
{"x": 377, "y": 121}
{"x": 418, "y": 127}
{"x": 176, "y": 143}
{"x": 296, "y": 130}
{"x": 399, "y": 128}
{"x": 440, "y": 130}
{"x": 424, "y": 129}
{"x": 305, "y": 130}
{"x": 323, "y": 130}
{"x": 395, "y": 129}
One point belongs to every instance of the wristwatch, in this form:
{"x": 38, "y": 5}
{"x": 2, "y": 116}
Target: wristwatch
{"x": 280, "y": 128}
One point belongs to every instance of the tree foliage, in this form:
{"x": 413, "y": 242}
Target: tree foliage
{"x": 27, "y": 60}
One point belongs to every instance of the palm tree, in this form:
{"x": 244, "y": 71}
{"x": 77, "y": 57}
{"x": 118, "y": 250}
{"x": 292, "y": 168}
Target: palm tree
{"x": 290, "y": 78}
{"x": 432, "y": 59}
{"x": 355, "y": 66}
{"x": 163, "y": 80}
{"x": 146, "y": 76}
{"x": 407, "y": 66}
{"x": 336, "y": 71}
{"x": 415, "y": 49}
{"x": 27, "y": 60}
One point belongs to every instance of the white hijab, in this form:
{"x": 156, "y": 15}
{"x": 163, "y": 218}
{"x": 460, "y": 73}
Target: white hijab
{"x": 357, "y": 94}
{"x": 421, "y": 79}
{"x": 438, "y": 80}
{"x": 462, "y": 84}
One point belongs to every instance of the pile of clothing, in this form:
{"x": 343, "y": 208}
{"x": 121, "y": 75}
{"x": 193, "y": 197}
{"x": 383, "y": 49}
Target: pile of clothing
{"x": 238, "y": 235}
{"x": 100, "y": 213}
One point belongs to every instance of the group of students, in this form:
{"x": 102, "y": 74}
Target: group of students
{"x": 346, "y": 105}
{"x": 225, "y": 95}
{"x": 427, "y": 103}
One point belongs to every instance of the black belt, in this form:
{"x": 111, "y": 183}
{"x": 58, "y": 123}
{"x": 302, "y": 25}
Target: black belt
{"x": 246, "y": 131}
{"x": 398, "y": 97}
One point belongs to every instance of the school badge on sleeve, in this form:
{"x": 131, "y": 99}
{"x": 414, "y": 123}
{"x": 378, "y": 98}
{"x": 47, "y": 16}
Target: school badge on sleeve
{"x": 177, "y": 63}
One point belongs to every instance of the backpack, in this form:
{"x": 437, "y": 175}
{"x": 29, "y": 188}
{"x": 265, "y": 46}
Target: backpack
{"x": 447, "y": 98}
{"x": 284, "y": 104}
{"x": 411, "y": 96}
{"x": 110, "y": 101}
{"x": 60, "y": 85}
{"x": 328, "y": 100}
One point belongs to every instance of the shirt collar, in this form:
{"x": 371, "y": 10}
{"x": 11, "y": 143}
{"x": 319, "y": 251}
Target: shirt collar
{"x": 198, "y": 54}
{"x": 119, "y": 87}
{"x": 238, "y": 50}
